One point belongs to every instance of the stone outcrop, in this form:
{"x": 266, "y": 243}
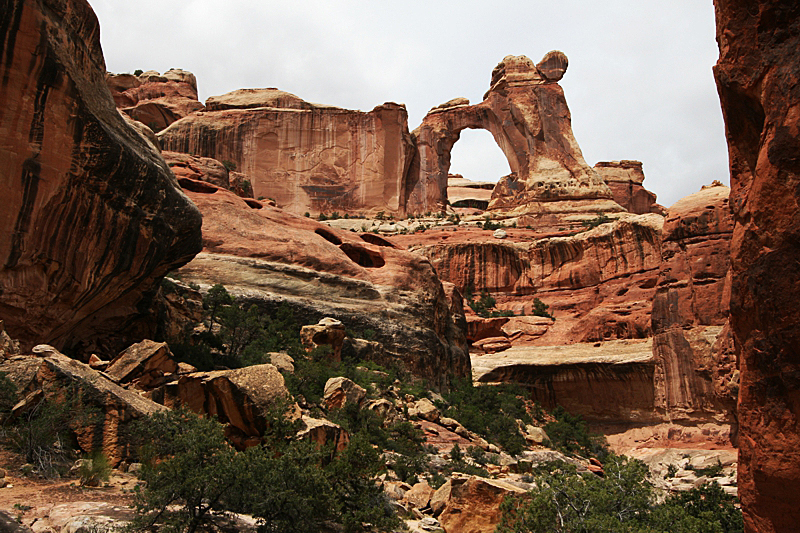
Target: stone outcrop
{"x": 92, "y": 217}
{"x": 271, "y": 258}
{"x": 341, "y": 391}
{"x": 244, "y": 399}
{"x": 526, "y": 112}
{"x": 625, "y": 178}
{"x": 691, "y": 307}
{"x": 144, "y": 363}
{"x": 154, "y": 99}
{"x": 758, "y": 83}
{"x": 327, "y": 332}
{"x": 472, "y": 504}
{"x": 307, "y": 157}
{"x": 210, "y": 170}
{"x": 56, "y": 373}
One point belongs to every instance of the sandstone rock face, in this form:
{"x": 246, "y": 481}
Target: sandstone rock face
{"x": 473, "y": 503}
{"x": 118, "y": 407}
{"x": 153, "y": 99}
{"x": 341, "y": 391}
{"x": 91, "y": 215}
{"x": 757, "y": 80}
{"x": 691, "y": 306}
{"x": 271, "y": 258}
{"x": 307, "y": 157}
{"x": 598, "y": 283}
{"x": 526, "y": 112}
{"x": 625, "y": 178}
{"x": 240, "y": 398}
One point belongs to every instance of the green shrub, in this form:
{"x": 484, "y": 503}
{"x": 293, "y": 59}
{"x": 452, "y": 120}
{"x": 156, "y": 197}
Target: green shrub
{"x": 598, "y": 220}
{"x": 138, "y": 72}
{"x": 94, "y": 469}
{"x": 540, "y": 309}
{"x": 490, "y": 411}
{"x": 230, "y": 166}
{"x": 570, "y": 434}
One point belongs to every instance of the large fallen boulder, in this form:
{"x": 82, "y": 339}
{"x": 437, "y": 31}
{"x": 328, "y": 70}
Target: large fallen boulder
{"x": 471, "y": 504}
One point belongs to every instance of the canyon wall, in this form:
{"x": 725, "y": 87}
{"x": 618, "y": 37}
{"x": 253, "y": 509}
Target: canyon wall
{"x": 759, "y": 86}
{"x": 306, "y": 157}
{"x": 92, "y": 218}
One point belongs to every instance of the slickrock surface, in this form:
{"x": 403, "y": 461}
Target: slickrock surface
{"x": 625, "y": 178}
{"x": 91, "y": 217}
{"x": 307, "y": 157}
{"x": 691, "y": 307}
{"x": 526, "y": 112}
{"x": 270, "y": 257}
{"x": 472, "y": 504}
{"x": 759, "y": 85}
{"x": 154, "y": 99}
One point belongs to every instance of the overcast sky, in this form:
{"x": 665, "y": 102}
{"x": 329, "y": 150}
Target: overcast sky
{"x": 639, "y": 83}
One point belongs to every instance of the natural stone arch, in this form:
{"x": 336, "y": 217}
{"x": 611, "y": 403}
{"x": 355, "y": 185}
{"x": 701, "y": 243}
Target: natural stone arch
{"x": 527, "y": 114}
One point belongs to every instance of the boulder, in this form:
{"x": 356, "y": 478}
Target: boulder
{"x": 341, "y": 391}
{"x": 385, "y": 409}
{"x": 92, "y": 217}
{"x": 757, "y": 80}
{"x": 118, "y": 407}
{"x": 492, "y": 344}
{"x": 8, "y": 346}
{"x": 244, "y": 399}
{"x": 282, "y": 361}
{"x": 424, "y": 409}
{"x": 420, "y": 495}
{"x": 329, "y": 331}
{"x": 144, "y": 362}
{"x": 323, "y": 433}
{"x": 473, "y": 503}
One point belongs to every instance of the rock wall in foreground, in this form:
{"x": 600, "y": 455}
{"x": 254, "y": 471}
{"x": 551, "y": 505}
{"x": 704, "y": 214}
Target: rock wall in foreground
{"x": 758, "y": 79}
{"x": 91, "y": 216}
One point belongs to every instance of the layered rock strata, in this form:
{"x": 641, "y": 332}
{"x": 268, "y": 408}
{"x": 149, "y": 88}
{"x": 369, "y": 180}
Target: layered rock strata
{"x": 598, "y": 283}
{"x": 92, "y": 217}
{"x": 153, "y": 99}
{"x": 757, "y": 79}
{"x": 271, "y": 258}
{"x": 526, "y": 112}
{"x": 307, "y": 157}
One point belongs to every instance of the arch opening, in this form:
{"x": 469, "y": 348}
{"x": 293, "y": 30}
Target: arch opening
{"x": 476, "y": 164}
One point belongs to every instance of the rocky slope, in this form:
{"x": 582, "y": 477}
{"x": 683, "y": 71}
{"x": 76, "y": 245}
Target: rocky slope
{"x": 307, "y": 157}
{"x": 92, "y": 217}
{"x": 263, "y": 254}
{"x": 757, "y": 79}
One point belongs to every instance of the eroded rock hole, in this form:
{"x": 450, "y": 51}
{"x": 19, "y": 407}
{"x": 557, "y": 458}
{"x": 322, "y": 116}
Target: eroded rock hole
{"x": 197, "y": 186}
{"x": 362, "y": 256}
{"x": 253, "y": 203}
{"x": 328, "y": 236}
{"x": 377, "y": 241}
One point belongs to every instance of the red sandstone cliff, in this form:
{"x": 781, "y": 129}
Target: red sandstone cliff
{"x": 91, "y": 216}
{"x": 759, "y": 86}
{"x": 307, "y": 157}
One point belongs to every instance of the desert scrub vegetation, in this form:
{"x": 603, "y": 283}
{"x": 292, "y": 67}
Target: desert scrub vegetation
{"x": 623, "y": 500}
{"x": 193, "y": 477}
